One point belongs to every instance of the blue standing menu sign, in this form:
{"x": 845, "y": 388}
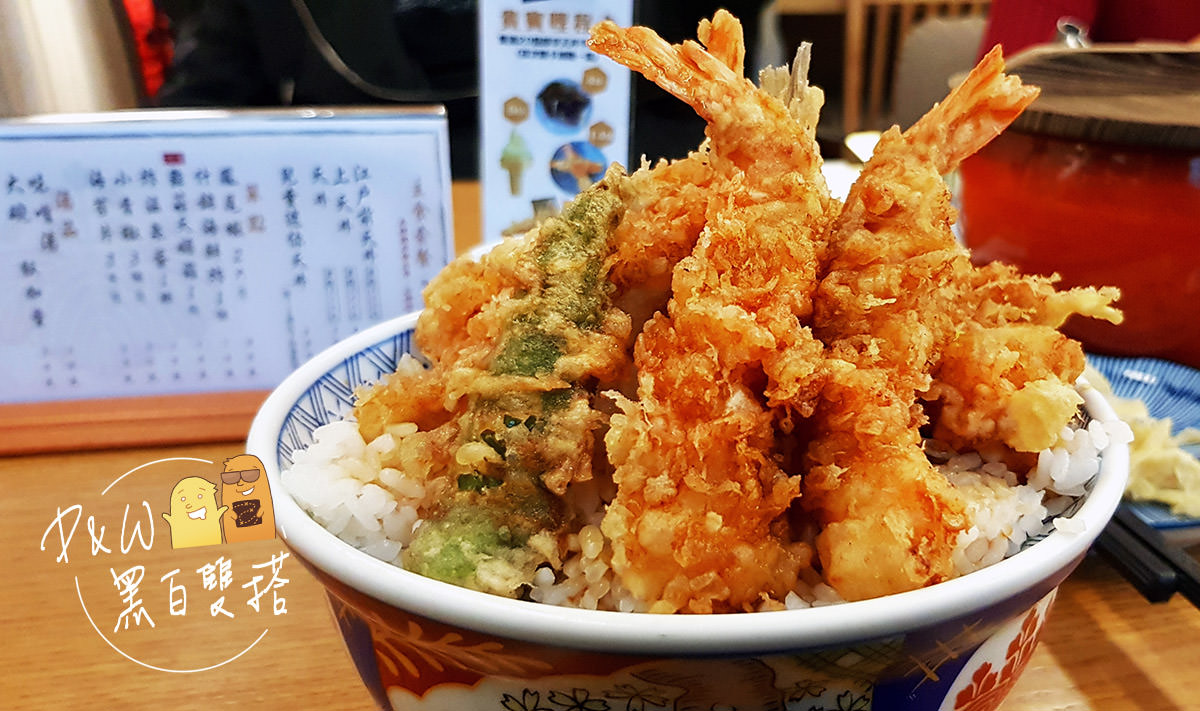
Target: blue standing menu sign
{"x": 554, "y": 114}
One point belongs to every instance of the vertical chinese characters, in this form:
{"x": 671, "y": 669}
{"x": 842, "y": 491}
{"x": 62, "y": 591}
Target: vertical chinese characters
{"x": 144, "y": 260}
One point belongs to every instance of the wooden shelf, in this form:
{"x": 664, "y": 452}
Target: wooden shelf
{"x": 79, "y": 425}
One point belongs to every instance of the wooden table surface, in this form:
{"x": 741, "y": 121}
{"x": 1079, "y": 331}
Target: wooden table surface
{"x": 1104, "y": 647}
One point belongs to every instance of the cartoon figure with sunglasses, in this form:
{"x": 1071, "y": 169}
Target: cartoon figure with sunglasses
{"x": 244, "y": 489}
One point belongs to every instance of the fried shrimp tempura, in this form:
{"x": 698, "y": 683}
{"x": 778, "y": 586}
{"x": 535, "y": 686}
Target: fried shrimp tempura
{"x": 907, "y": 318}
{"x": 888, "y": 519}
{"x": 757, "y": 366}
{"x": 666, "y": 212}
{"x": 696, "y": 524}
{"x": 670, "y": 202}
{"x": 886, "y": 308}
{"x": 889, "y": 297}
{"x": 776, "y": 159}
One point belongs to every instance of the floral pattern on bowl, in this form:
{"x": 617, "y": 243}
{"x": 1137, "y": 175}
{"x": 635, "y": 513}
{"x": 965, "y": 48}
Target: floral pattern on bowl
{"x": 412, "y": 662}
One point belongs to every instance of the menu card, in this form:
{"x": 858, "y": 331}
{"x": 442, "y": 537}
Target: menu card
{"x": 554, "y": 114}
{"x": 149, "y": 253}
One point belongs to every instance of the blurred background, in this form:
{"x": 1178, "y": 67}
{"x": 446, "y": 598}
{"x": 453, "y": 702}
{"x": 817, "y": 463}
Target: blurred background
{"x": 878, "y": 60}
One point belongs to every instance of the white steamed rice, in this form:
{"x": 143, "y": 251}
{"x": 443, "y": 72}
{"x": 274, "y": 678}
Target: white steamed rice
{"x": 340, "y": 481}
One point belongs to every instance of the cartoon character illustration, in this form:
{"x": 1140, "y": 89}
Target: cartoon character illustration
{"x": 246, "y": 493}
{"x": 195, "y": 518}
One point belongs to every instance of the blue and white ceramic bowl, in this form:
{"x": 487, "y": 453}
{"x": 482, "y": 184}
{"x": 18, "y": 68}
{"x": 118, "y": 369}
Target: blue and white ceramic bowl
{"x": 421, "y": 643}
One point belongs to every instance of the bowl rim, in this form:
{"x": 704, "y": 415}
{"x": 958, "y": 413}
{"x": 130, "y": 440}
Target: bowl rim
{"x": 645, "y": 633}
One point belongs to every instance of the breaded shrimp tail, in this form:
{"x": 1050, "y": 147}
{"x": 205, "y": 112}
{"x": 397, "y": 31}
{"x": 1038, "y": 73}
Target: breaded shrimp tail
{"x": 893, "y": 257}
{"x": 716, "y": 92}
{"x": 723, "y": 38}
{"x": 992, "y": 100}
{"x": 668, "y": 202}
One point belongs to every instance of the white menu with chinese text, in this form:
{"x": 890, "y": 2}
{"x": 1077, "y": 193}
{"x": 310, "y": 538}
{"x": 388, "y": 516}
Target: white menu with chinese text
{"x": 209, "y": 251}
{"x": 554, "y": 114}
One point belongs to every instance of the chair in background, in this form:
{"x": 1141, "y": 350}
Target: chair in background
{"x": 936, "y": 55}
{"x": 950, "y": 35}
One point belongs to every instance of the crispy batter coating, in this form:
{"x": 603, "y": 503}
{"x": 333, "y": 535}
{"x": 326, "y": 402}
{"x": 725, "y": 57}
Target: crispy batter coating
{"x": 1007, "y": 375}
{"x": 697, "y": 521}
{"x": 889, "y": 520}
{"x": 509, "y": 393}
{"x": 755, "y": 364}
{"x": 907, "y": 318}
{"x": 886, "y": 307}
{"x": 694, "y": 523}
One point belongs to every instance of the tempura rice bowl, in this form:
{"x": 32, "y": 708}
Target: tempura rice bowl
{"x": 421, "y": 643}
